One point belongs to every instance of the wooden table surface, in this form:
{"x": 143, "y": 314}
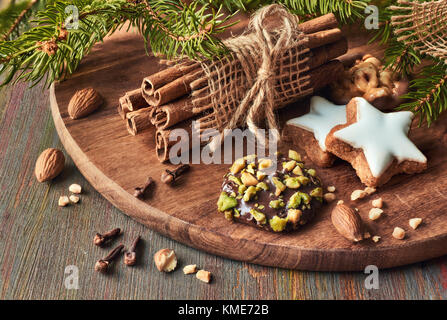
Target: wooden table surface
{"x": 38, "y": 240}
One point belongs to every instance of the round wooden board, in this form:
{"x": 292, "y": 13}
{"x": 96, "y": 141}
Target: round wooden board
{"x": 115, "y": 163}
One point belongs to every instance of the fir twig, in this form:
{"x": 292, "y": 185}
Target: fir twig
{"x": 19, "y": 19}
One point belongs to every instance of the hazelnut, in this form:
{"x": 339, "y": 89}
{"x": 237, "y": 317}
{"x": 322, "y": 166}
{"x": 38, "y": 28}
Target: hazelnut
{"x": 375, "y": 213}
{"x": 237, "y": 166}
{"x": 399, "y": 233}
{"x": 377, "y": 203}
{"x": 415, "y": 222}
{"x": 75, "y": 188}
{"x": 376, "y": 238}
{"x": 189, "y": 269}
{"x": 74, "y": 199}
{"x": 358, "y": 194}
{"x": 329, "y": 197}
{"x": 331, "y": 189}
{"x": 204, "y": 276}
{"x": 248, "y": 179}
{"x": 63, "y": 201}
{"x": 370, "y": 190}
{"x": 165, "y": 260}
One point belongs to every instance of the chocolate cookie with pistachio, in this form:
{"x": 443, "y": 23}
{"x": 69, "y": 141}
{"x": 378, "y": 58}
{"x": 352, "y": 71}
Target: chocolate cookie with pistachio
{"x": 278, "y": 194}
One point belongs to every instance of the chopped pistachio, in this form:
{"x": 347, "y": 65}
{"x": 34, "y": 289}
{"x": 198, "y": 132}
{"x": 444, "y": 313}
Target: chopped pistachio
{"x": 276, "y": 204}
{"x": 261, "y": 207}
{"x": 294, "y": 215}
{"x": 289, "y": 165}
{"x": 297, "y": 171}
{"x": 317, "y": 192}
{"x": 237, "y": 166}
{"x": 228, "y": 215}
{"x": 292, "y": 183}
{"x": 303, "y": 180}
{"x": 278, "y": 184}
{"x": 278, "y": 224}
{"x": 312, "y": 172}
{"x": 306, "y": 198}
{"x": 241, "y": 189}
{"x": 239, "y": 197}
{"x": 259, "y": 216}
{"x": 263, "y": 186}
{"x": 248, "y": 179}
{"x": 226, "y": 202}
{"x": 294, "y": 200}
{"x": 260, "y": 175}
{"x": 233, "y": 194}
{"x": 294, "y": 155}
{"x": 249, "y": 193}
{"x": 236, "y": 214}
{"x": 235, "y": 180}
{"x": 264, "y": 164}
{"x": 256, "y": 205}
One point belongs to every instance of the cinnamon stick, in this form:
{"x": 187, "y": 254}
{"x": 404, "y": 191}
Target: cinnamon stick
{"x": 138, "y": 120}
{"x": 163, "y": 144}
{"x": 177, "y": 88}
{"x": 172, "y": 113}
{"x": 321, "y": 55}
{"x": 161, "y": 78}
{"x": 123, "y": 108}
{"x": 328, "y": 21}
{"x": 135, "y": 100}
{"x": 324, "y": 37}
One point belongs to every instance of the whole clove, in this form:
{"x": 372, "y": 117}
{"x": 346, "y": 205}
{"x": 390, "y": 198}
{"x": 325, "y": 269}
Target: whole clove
{"x": 130, "y": 257}
{"x": 102, "y": 265}
{"x": 140, "y": 191}
{"x": 169, "y": 176}
{"x": 101, "y": 239}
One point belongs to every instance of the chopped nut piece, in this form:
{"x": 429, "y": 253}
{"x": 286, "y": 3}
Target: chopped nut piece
{"x": 189, "y": 269}
{"x": 292, "y": 183}
{"x": 367, "y": 235}
{"x": 312, "y": 172}
{"x": 280, "y": 187}
{"x": 278, "y": 224}
{"x": 329, "y": 197}
{"x": 260, "y": 175}
{"x": 358, "y": 194}
{"x": 375, "y": 213}
{"x": 298, "y": 171}
{"x": 317, "y": 192}
{"x": 376, "y": 238}
{"x": 340, "y": 202}
{"x": 377, "y": 203}
{"x": 415, "y": 222}
{"x": 294, "y": 215}
{"x": 370, "y": 190}
{"x": 75, "y": 188}
{"x": 288, "y": 166}
{"x": 226, "y": 202}
{"x": 63, "y": 201}
{"x": 249, "y": 193}
{"x": 237, "y": 166}
{"x": 165, "y": 260}
{"x": 399, "y": 233}
{"x": 264, "y": 164}
{"x": 204, "y": 276}
{"x": 74, "y": 199}
{"x": 248, "y": 179}
{"x": 331, "y": 189}
{"x": 294, "y": 155}
{"x": 250, "y": 158}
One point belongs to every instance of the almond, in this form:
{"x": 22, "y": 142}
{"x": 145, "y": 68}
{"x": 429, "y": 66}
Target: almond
{"x": 348, "y": 222}
{"x": 49, "y": 164}
{"x": 84, "y": 102}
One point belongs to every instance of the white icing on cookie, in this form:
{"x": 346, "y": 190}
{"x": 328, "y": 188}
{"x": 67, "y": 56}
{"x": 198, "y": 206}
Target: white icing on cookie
{"x": 322, "y": 117}
{"x": 382, "y": 136}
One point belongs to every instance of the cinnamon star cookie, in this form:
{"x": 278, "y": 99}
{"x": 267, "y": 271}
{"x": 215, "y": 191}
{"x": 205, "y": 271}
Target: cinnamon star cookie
{"x": 376, "y": 143}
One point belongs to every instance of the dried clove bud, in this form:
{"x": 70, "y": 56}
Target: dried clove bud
{"x": 101, "y": 239}
{"x": 170, "y": 176}
{"x": 130, "y": 257}
{"x": 140, "y": 191}
{"x": 102, "y": 265}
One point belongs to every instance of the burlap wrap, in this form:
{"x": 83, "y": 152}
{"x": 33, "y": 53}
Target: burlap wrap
{"x": 264, "y": 71}
{"x": 423, "y": 27}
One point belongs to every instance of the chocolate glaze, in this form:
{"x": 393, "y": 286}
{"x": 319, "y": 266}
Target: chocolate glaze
{"x": 265, "y": 196}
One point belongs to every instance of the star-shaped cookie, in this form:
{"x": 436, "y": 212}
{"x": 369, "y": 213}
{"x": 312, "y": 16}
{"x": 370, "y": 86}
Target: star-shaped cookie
{"x": 375, "y": 143}
{"x": 311, "y": 129}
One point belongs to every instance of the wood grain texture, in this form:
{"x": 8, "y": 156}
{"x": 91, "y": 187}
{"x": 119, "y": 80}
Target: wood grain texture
{"x": 38, "y": 239}
{"x": 104, "y": 152}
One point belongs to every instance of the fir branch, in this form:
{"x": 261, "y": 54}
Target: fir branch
{"x": 428, "y": 94}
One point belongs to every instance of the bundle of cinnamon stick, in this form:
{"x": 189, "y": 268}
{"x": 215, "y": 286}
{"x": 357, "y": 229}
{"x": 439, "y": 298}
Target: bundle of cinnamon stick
{"x": 165, "y": 101}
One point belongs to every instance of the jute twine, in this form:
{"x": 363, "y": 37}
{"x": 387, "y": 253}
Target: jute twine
{"x": 423, "y": 26}
{"x": 263, "y": 71}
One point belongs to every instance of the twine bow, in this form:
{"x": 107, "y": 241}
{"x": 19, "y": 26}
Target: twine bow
{"x": 267, "y": 47}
